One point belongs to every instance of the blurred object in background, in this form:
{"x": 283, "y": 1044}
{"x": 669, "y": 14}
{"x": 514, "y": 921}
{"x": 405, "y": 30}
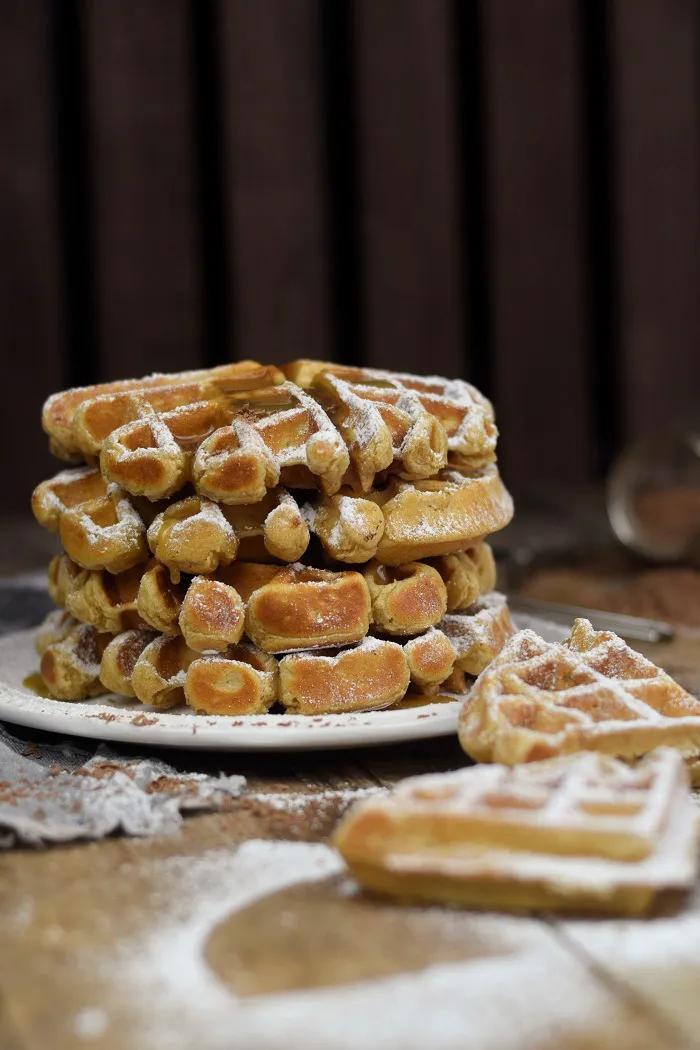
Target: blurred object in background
{"x": 653, "y": 497}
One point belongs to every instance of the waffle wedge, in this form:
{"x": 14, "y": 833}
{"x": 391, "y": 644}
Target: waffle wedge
{"x": 579, "y": 833}
{"x": 591, "y": 692}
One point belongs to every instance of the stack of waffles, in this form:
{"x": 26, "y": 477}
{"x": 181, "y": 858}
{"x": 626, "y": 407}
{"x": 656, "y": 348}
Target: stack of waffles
{"x": 310, "y": 536}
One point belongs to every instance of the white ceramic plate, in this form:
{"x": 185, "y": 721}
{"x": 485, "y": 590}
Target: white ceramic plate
{"x": 114, "y": 718}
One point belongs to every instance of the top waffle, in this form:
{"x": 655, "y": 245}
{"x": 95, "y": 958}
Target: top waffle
{"x": 539, "y": 699}
{"x": 237, "y": 431}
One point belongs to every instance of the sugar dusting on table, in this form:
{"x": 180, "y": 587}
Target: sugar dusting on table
{"x": 535, "y": 994}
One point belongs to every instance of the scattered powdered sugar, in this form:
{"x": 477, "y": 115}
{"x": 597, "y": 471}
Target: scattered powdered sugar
{"x": 529, "y": 991}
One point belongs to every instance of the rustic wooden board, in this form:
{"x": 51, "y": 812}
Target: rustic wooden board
{"x": 141, "y": 142}
{"x": 408, "y": 186}
{"x": 656, "y": 62}
{"x": 75, "y": 921}
{"x": 31, "y": 316}
{"x": 275, "y": 193}
{"x": 536, "y": 246}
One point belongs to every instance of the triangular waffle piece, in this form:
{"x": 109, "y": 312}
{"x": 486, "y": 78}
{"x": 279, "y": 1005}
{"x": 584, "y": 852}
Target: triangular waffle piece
{"x": 538, "y": 699}
{"x": 580, "y": 833}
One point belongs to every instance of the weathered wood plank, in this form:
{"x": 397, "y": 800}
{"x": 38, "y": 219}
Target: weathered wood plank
{"x": 534, "y": 171}
{"x": 145, "y": 196}
{"x": 272, "y": 113}
{"x": 656, "y": 54}
{"x": 408, "y": 186}
{"x": 31, "y": 319}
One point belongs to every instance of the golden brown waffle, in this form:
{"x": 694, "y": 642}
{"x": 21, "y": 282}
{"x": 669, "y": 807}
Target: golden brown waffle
{"x": 580, "y": 833}
{"x": 107, "y": 601}
{"x": 406, "y": 598}
{"x": 168, "y": 673}
{"x": 374, "y": 674}
{"x": 237, "y": 431}
{"x": 591, "y": 692}
{"x": 466, "y": 575}
{"x": 465, "y": 417}
{"x": 100, "y": 527}
{"x": 281, "y": 608}
{"x": 119, "y": 659}
{"x": 78, "y": 420}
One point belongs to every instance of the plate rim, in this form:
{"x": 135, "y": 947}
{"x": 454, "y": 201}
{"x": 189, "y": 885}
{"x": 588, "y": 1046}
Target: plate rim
{"x": 190, "y": 731}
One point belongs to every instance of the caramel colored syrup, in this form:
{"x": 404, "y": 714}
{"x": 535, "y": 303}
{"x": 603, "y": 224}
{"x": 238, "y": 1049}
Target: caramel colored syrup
{"x": 36, "y": 684}
{"x": 421, "y": 700}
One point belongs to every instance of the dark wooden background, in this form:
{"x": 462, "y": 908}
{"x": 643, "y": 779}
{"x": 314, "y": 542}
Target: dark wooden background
{"x": 502, "y": 190}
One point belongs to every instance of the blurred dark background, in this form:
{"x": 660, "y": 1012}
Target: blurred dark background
{"x": 504, "y": 190}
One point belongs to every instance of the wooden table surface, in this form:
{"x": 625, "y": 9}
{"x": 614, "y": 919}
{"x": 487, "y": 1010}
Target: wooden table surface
{"x": 239, "y": 932}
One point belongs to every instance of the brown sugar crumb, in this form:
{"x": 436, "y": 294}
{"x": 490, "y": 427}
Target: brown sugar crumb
{"x": 143, "y": 720}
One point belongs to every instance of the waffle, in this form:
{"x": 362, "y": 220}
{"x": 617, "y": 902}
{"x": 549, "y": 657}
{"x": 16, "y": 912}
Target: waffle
{"x": 464, "y": 415}
{"x": 79, "y": 420}
{"x": 107, "y": 601}
{"x": 579, "y": 833}
{"x": 373, "y": 674}
{"x": 238, "y": 430}
{"x": 119, "y": 659}
{"x": 592, "y": 692}
{"x": 101, "y": 527}
{"x": 466, "y": 575}
{"x": 281, "y": 608}
{"x": 407, "y": 598}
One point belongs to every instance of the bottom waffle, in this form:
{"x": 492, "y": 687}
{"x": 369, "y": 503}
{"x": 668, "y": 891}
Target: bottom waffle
{"x": 164, "y": 671}
{"x": 580, "y": 833}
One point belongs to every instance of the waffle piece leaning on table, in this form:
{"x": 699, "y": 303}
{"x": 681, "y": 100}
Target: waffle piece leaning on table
{"x": 584, "y": 832}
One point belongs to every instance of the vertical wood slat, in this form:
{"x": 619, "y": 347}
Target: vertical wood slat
{"x": 656, "y": 51}
{"x": 272, "y": 112}
{"x": 534, "y": 165}
{"x": 410, "y": 224}
{"x": 31, "y": 333}
{"x": 143, "y": 161}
